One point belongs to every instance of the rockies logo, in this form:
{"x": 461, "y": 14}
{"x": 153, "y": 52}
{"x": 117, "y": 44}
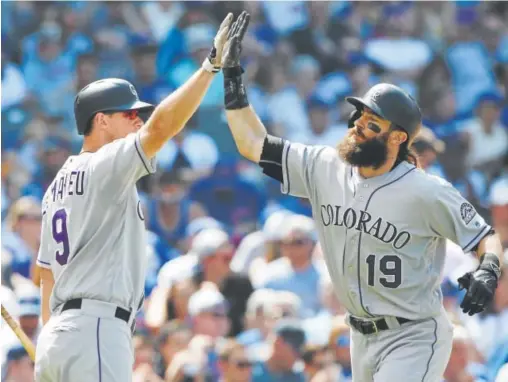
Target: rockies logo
{"x": 467, "y": 212}
{"x": 133, "y": 91}
{"x": 375, "y": 95}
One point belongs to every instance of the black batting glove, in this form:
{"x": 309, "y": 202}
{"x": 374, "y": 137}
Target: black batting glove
{"x": 233, "y": 47}
{"x": 235, "y": 95}
{"x": 480, "y": 285}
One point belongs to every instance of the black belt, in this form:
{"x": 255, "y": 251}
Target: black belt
{"x": 120, "y": 313}
{"x": 370, "y": 327}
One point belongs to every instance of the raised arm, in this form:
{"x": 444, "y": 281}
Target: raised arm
{"x": 171, "y": 115}
{"x": 289, "y": 163}
{"x": 248, "y": 131}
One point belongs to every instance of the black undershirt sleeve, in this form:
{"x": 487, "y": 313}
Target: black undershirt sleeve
{"x": 271, "y": 157}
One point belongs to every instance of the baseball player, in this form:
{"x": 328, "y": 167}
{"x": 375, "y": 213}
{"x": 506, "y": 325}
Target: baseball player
{"x": 382, "y": 225}
{"x": 93, "y": 239}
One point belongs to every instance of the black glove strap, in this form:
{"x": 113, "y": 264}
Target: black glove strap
{"x": 490, "y": 262}
{"x": 235, "y": 96}
{"x": 232, "y": 72}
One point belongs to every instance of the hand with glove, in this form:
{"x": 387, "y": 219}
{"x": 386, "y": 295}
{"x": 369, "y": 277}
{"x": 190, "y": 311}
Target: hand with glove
{"x": 213, "y": 63}
{"x": 235, "y": 94}
{"x": 480, "y": 284}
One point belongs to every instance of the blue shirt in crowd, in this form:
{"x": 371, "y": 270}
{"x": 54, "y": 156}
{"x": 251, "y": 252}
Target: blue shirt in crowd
{"x": 304, "y": 283}
{"x": 261, "y": 373}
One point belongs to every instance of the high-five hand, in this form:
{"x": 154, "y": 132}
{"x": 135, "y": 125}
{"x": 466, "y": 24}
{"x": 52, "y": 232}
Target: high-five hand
{"x": 214, "y": 60}
{"x": 233, "y": 46}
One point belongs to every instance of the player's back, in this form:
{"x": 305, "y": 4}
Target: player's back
{"x": 93, "y": 234}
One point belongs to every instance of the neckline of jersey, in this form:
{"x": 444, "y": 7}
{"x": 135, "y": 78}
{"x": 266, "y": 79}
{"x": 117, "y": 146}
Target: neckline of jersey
{"x": 384, "y": 178}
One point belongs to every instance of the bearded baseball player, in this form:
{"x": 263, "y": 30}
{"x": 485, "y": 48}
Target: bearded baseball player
{"x": 382, "y": 224}
{"x": 93, "y": 242}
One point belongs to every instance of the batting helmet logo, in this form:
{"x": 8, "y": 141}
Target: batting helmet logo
{"x": 133, "y": 91}
{"x": 375, "y": 95}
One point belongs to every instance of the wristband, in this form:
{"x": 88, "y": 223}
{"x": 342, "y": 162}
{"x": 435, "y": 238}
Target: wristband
{"x": 490, "y": 262}
{"x": 209, "y": 67}
{"x": 235, "y": 96}
{"x": 235, "y": 71}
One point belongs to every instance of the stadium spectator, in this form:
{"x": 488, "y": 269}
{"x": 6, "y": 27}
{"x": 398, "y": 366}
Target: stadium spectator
{"x": 234, "y": 365}
{"x": 315, "y": 358}
{"x": 170, "y": 210}
{"x": 214, "y": 250}
{"x": 283, "y": 363}
{"x": 18, "y": 366}
{"x": 230, "y": 199}
{"x": 208, "y": 312}
{"x": 429, "y": 147}
{"x": 296, "y": 271}
{"x": 173, "y": 337}
{"x": 484, "y": 131}
{"x": 21, "y": 234}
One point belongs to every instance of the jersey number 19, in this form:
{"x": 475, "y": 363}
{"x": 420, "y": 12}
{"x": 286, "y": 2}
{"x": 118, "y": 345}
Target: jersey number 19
{"x": 390, "y": 266}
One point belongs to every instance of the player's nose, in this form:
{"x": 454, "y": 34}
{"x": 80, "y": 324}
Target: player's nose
{"x": 359, "y": 129}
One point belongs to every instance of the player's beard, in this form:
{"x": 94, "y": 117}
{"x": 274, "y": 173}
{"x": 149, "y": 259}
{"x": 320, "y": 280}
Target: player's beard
{"x": 371, "y": 153}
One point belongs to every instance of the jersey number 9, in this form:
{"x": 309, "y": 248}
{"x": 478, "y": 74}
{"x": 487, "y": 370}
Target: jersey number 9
{"x": 389, "y": 265}
{"x": 59, "y": 229}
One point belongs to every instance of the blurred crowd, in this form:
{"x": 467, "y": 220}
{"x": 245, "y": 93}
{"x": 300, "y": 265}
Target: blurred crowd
{"x": 236, "y": 288}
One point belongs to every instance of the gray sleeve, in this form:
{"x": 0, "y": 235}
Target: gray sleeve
{"x": 299, "y": 168}
{"x": 453, "y": 217}
{"x": 120, "y": 164}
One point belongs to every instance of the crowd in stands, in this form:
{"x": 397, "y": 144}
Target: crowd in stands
{"x": 236, "y": 287}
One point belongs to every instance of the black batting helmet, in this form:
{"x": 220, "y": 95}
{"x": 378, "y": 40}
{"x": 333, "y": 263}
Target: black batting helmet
{"x": 110, "y": 94}
{"x": 393, "y": 104}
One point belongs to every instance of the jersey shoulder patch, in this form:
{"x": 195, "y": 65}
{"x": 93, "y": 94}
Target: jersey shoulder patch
{"x": 467, "y": 212}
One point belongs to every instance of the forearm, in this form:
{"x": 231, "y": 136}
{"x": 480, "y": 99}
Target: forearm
{"x": 248, "y": 132}
{"x": 490, "y": 244}
{"x": 171, "y": 115}
{"x": 490, "y": 253}
{"x": 47, "y": 283}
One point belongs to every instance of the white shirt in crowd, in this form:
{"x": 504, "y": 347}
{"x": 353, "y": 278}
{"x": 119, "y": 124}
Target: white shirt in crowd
{"x": 496, "y": 141}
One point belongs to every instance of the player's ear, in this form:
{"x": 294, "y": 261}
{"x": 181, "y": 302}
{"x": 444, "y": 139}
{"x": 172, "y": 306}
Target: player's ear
{"x": 100, "y": 121}
{"x": 398, "y": 137}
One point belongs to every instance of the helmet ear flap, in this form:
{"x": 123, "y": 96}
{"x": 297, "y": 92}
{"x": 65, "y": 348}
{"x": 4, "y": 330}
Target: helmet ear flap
{"x": 355, "y": 114}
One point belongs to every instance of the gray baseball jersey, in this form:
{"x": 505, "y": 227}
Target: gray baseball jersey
{"x": 93, "y": 232}
{"x": 383, "y": 238}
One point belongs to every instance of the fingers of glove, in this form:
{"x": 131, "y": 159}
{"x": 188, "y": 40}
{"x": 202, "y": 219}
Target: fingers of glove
{"x": 465, "y": 304}
{"x": 221, "y": 38}
{"x": 243, "y": 26}
{"x": 234, "y": 48}
{"x": 476, "y": 293}
{"x": 464, "y": 281}
{"x": 482, "y": 301}
{"x": 471, "y": 298}
{"x": 237, "y": 24}
{"x": 226, "y": 22}
{"x": 232, "y": 29}
{"x": 475, "y": 309}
